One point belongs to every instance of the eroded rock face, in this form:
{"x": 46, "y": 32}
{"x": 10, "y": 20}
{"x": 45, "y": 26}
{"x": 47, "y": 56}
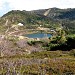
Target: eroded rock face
{"x": 47, "y": 12}
{"x": 19, "y": 47}
{"x": 6, "y": 47}
{"x": 22, "y": 43}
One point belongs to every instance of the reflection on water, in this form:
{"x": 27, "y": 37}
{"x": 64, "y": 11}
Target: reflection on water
{"x": 38, "y": 35}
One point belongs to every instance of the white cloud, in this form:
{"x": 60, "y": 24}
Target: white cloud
{"x": 37, "y": 4}
{"x": 4, "y": 7}
{"x": 1, "y": 4}
{"x": 32, "y": 4}
{"x": 66, "y": 4}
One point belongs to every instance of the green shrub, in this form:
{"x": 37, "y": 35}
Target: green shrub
{"x": 64, "y": 43}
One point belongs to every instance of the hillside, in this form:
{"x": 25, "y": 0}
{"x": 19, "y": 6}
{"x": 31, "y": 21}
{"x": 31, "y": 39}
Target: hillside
{"x": 66, "y": 17}
{"x": 25, "y": 17}
{"x": 56, "y": 13}
{"x": 29, "y": 19}
{"x": 22, "y": 55}
{"x": 51, "y": 18}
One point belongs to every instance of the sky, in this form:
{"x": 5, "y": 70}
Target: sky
{"x": 8, "y": 5}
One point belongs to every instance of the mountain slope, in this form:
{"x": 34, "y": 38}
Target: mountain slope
{"x": 51, "y": 18}
{"x": 66, "y": 17}
{"x": 57, "y": 13}
{"x": 26, "y": 18}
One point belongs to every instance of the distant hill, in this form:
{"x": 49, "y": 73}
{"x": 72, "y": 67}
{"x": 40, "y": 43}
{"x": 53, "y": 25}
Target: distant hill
{"x": 56, "y": 13}
{"x": 51, "y": 18}
{"x": 27, "y": 18}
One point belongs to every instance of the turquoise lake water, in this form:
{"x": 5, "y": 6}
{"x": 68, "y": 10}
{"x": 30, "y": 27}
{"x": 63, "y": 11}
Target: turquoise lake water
{"x": 38, "y": 35}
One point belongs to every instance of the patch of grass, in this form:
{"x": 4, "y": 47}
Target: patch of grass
{"x": 51, "y": 66}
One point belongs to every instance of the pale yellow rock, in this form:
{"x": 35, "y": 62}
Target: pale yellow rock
{"x": 21, "y": 37}
{"x": 2, "y": 54}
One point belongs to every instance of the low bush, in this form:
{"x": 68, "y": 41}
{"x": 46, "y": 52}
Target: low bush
{"x": 62, "y": 43}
